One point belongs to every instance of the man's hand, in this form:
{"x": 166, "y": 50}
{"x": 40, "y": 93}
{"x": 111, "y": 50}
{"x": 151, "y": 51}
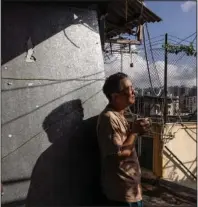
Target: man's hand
{"x": 140, "y": 126}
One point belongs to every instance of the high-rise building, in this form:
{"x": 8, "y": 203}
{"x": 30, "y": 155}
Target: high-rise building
{"x": 182, "y": 91}
{"x": 193, "y": 91}
{"x": 191, "y": 103}
{"x": 175, "y": 91}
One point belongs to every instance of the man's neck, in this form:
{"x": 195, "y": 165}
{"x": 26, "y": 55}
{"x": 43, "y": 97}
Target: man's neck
{"x": 117, "y": 109}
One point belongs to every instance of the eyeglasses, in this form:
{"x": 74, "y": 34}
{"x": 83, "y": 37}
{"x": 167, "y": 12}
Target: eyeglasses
{"x": 126, "y": 90}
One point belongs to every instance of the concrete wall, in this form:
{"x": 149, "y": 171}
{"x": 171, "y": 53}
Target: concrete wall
{"x": 42, "y": 102}
{"x": 184, "y": 146}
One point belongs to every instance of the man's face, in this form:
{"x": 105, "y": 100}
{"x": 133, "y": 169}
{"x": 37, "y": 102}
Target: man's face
{"x": 126, "y": 96}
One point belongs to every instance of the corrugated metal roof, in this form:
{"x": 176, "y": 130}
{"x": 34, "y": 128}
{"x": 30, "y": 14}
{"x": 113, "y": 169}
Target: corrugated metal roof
{"x": 136, "y": 13}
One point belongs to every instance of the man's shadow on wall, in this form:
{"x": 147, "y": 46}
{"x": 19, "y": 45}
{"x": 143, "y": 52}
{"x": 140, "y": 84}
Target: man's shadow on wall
{"x": 67, "y": 173}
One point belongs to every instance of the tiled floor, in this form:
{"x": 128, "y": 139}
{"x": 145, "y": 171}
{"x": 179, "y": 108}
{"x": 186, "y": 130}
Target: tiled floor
{"x": 155, "y": 195}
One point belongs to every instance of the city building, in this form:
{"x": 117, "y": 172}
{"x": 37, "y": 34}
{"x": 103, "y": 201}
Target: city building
{"x": 191, "y": 103}
{"x": 148, "y": 105}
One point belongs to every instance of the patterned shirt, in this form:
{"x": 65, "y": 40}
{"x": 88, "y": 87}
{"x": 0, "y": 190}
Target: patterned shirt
{"x": 120, "y": 176}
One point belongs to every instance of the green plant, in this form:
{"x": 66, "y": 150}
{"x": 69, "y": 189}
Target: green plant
{"x": 188, "y": 49}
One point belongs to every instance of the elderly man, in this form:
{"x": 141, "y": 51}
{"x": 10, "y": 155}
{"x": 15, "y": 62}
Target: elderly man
{"x": 120, "y": 169}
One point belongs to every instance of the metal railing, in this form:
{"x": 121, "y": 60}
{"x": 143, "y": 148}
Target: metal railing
{"x": 180, "y": 162}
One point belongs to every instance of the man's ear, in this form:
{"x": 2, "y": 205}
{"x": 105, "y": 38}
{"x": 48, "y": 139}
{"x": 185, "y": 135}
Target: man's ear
{"x": 114, "y": 96}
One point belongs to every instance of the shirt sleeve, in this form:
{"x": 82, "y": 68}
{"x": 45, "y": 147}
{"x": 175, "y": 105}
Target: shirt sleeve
{"x": 110, "y": 141}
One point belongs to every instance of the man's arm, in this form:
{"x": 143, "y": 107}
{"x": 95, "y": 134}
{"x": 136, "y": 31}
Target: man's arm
{"x": 127, "y": 147}
{"x": 138, "y": 128}
{"x": 111, "y": 141}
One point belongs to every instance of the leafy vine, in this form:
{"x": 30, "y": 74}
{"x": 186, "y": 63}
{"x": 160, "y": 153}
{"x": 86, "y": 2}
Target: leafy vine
{"x": 188, "y": 49}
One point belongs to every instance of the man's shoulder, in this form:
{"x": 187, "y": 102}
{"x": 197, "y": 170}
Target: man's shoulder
{"x": 107, "y": 114}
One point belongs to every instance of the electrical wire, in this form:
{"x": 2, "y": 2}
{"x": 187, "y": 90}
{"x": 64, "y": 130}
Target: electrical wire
{"x": 155, "y": 37}
{"x": 47, "y": 128}
{"x": 152, "y": 55}
{"x": 150, "y": 77}
{"x": 82, "y": 79}
{"x": 176, "y": 61}
{"x": 159, "y": 93}
{"x": 156, "y": 43}
{"x": 194, "y": 38}
{"x": 49, "y": 79}
{"x": 187, "y": 38}
{"x": 148, "y": 68}
{"x": 178, "y": 113}
{"x": 183, "y": 40}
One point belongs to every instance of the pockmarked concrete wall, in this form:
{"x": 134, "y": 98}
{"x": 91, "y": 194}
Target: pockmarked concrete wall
{"x": 52, "y": 76}
{"x": 184, "y": 146}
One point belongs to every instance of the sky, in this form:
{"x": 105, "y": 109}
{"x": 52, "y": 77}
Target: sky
{"x": 179, "y": 20}
{"x": 181, "y": 73}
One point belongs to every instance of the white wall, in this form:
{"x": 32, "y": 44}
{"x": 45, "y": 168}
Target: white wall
{"x": 184, "y": 146}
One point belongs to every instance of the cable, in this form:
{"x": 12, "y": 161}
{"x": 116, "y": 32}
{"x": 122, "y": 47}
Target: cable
{"x": 47, "y": 128}
{"x": 194, "y": 38}
{"x": 147, "y": 63}
{"x": 148, "y": 67}
{"x": 159, "y": 42}
{"x": 154, "y": 42}
{"x": 150, "y": 76}
{"x": 182, "y": 40}
{"x": 11, "y": 152}
{"x": 157, "y": 49}
{"x": 176, "y": 62}
{"x": 53, "y": 79}
{"x": 153, "y": 56}
{"x": 169, "y": 39}
{"x": 154, "y": 65}
{"x": 171, "y": 97}
{"x": 154, "y": 61}
{"x": 155, "y": 37}
{"x": 187, "y": 38}
{"x": 50, "y": 79}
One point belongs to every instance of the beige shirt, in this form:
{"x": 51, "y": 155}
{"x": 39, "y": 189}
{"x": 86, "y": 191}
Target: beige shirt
{"x": 120, "y": 177}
